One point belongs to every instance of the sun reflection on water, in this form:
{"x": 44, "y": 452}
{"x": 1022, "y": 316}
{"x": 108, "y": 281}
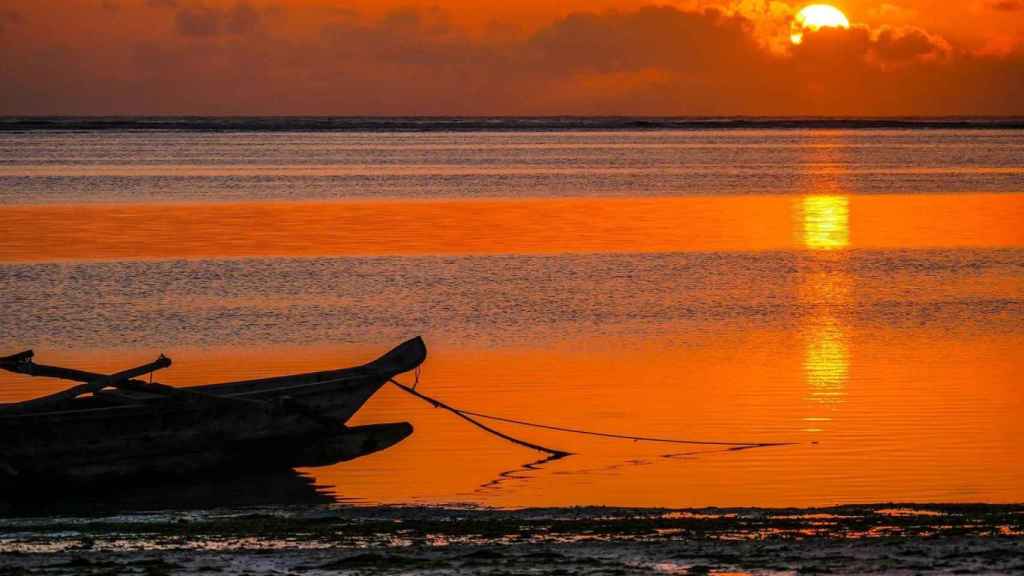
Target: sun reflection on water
{"x": 824, "y": 226}
{"x": 826, "y": 222}
{"x": 827, "y": 361}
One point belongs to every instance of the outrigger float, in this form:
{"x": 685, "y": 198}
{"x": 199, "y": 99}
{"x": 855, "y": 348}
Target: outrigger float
{"x": 115, "y": 427}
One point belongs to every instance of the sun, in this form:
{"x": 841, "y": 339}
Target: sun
{"x": 816, "y": 17}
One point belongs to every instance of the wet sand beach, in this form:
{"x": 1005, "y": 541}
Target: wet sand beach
{"x": 890, "y": 539}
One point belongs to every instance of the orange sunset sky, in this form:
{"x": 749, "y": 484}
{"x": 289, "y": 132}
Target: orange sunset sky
{"x": 518, "y": 57}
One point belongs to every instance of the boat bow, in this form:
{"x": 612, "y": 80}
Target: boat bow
{"x": 403, "y": 358}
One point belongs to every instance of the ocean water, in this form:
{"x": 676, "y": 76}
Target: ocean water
{"x": 853, "y": 291}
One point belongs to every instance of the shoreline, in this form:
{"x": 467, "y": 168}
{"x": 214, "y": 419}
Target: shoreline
{"x": 861, "y": 539}
{"x": 417, "y": 124}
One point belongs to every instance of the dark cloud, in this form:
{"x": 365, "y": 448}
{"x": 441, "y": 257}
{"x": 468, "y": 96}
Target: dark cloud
{"x": 648, "y": 37}
{"x": 199, "y": 22}
{"x": 205, "y": 21}
{"x": 655, "y": 60}
{"x": 832, "y": 47}
{"x": 242, "y": 19}
{"x": 1007, "y": 5}
{"x": 417, "y": 22}
{"x": 8, "y": 18}
{"x": 902, "y": 45}
{"x": 858, "y": 46}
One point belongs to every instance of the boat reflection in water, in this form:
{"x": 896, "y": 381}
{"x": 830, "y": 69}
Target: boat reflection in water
{"x": 272, "y": 489}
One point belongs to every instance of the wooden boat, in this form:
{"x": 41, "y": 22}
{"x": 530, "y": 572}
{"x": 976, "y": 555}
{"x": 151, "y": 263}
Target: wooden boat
{"x": 114, "y": 427}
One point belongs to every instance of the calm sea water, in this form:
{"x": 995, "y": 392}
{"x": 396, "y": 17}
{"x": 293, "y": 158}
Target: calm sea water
{"x": 857, "y": 292}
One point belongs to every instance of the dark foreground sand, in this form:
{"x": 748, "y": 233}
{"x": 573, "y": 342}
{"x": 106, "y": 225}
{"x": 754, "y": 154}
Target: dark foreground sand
{"x": 891, "y": 539}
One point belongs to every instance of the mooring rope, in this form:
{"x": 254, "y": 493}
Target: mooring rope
{"x": 625, "y": 436}
{"x": 469, "y": 415}
{"x": 554, "y": 452}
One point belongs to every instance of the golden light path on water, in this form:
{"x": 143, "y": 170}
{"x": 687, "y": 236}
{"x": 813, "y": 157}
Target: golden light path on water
{"x": 825, "y": 224}
{"x": 826, "y": 361}
{"x": 822, "y": 220}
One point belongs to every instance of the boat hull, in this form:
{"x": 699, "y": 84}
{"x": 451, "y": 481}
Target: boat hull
{"x": 273, "y": 423}
{"x": 229, "y": 459}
